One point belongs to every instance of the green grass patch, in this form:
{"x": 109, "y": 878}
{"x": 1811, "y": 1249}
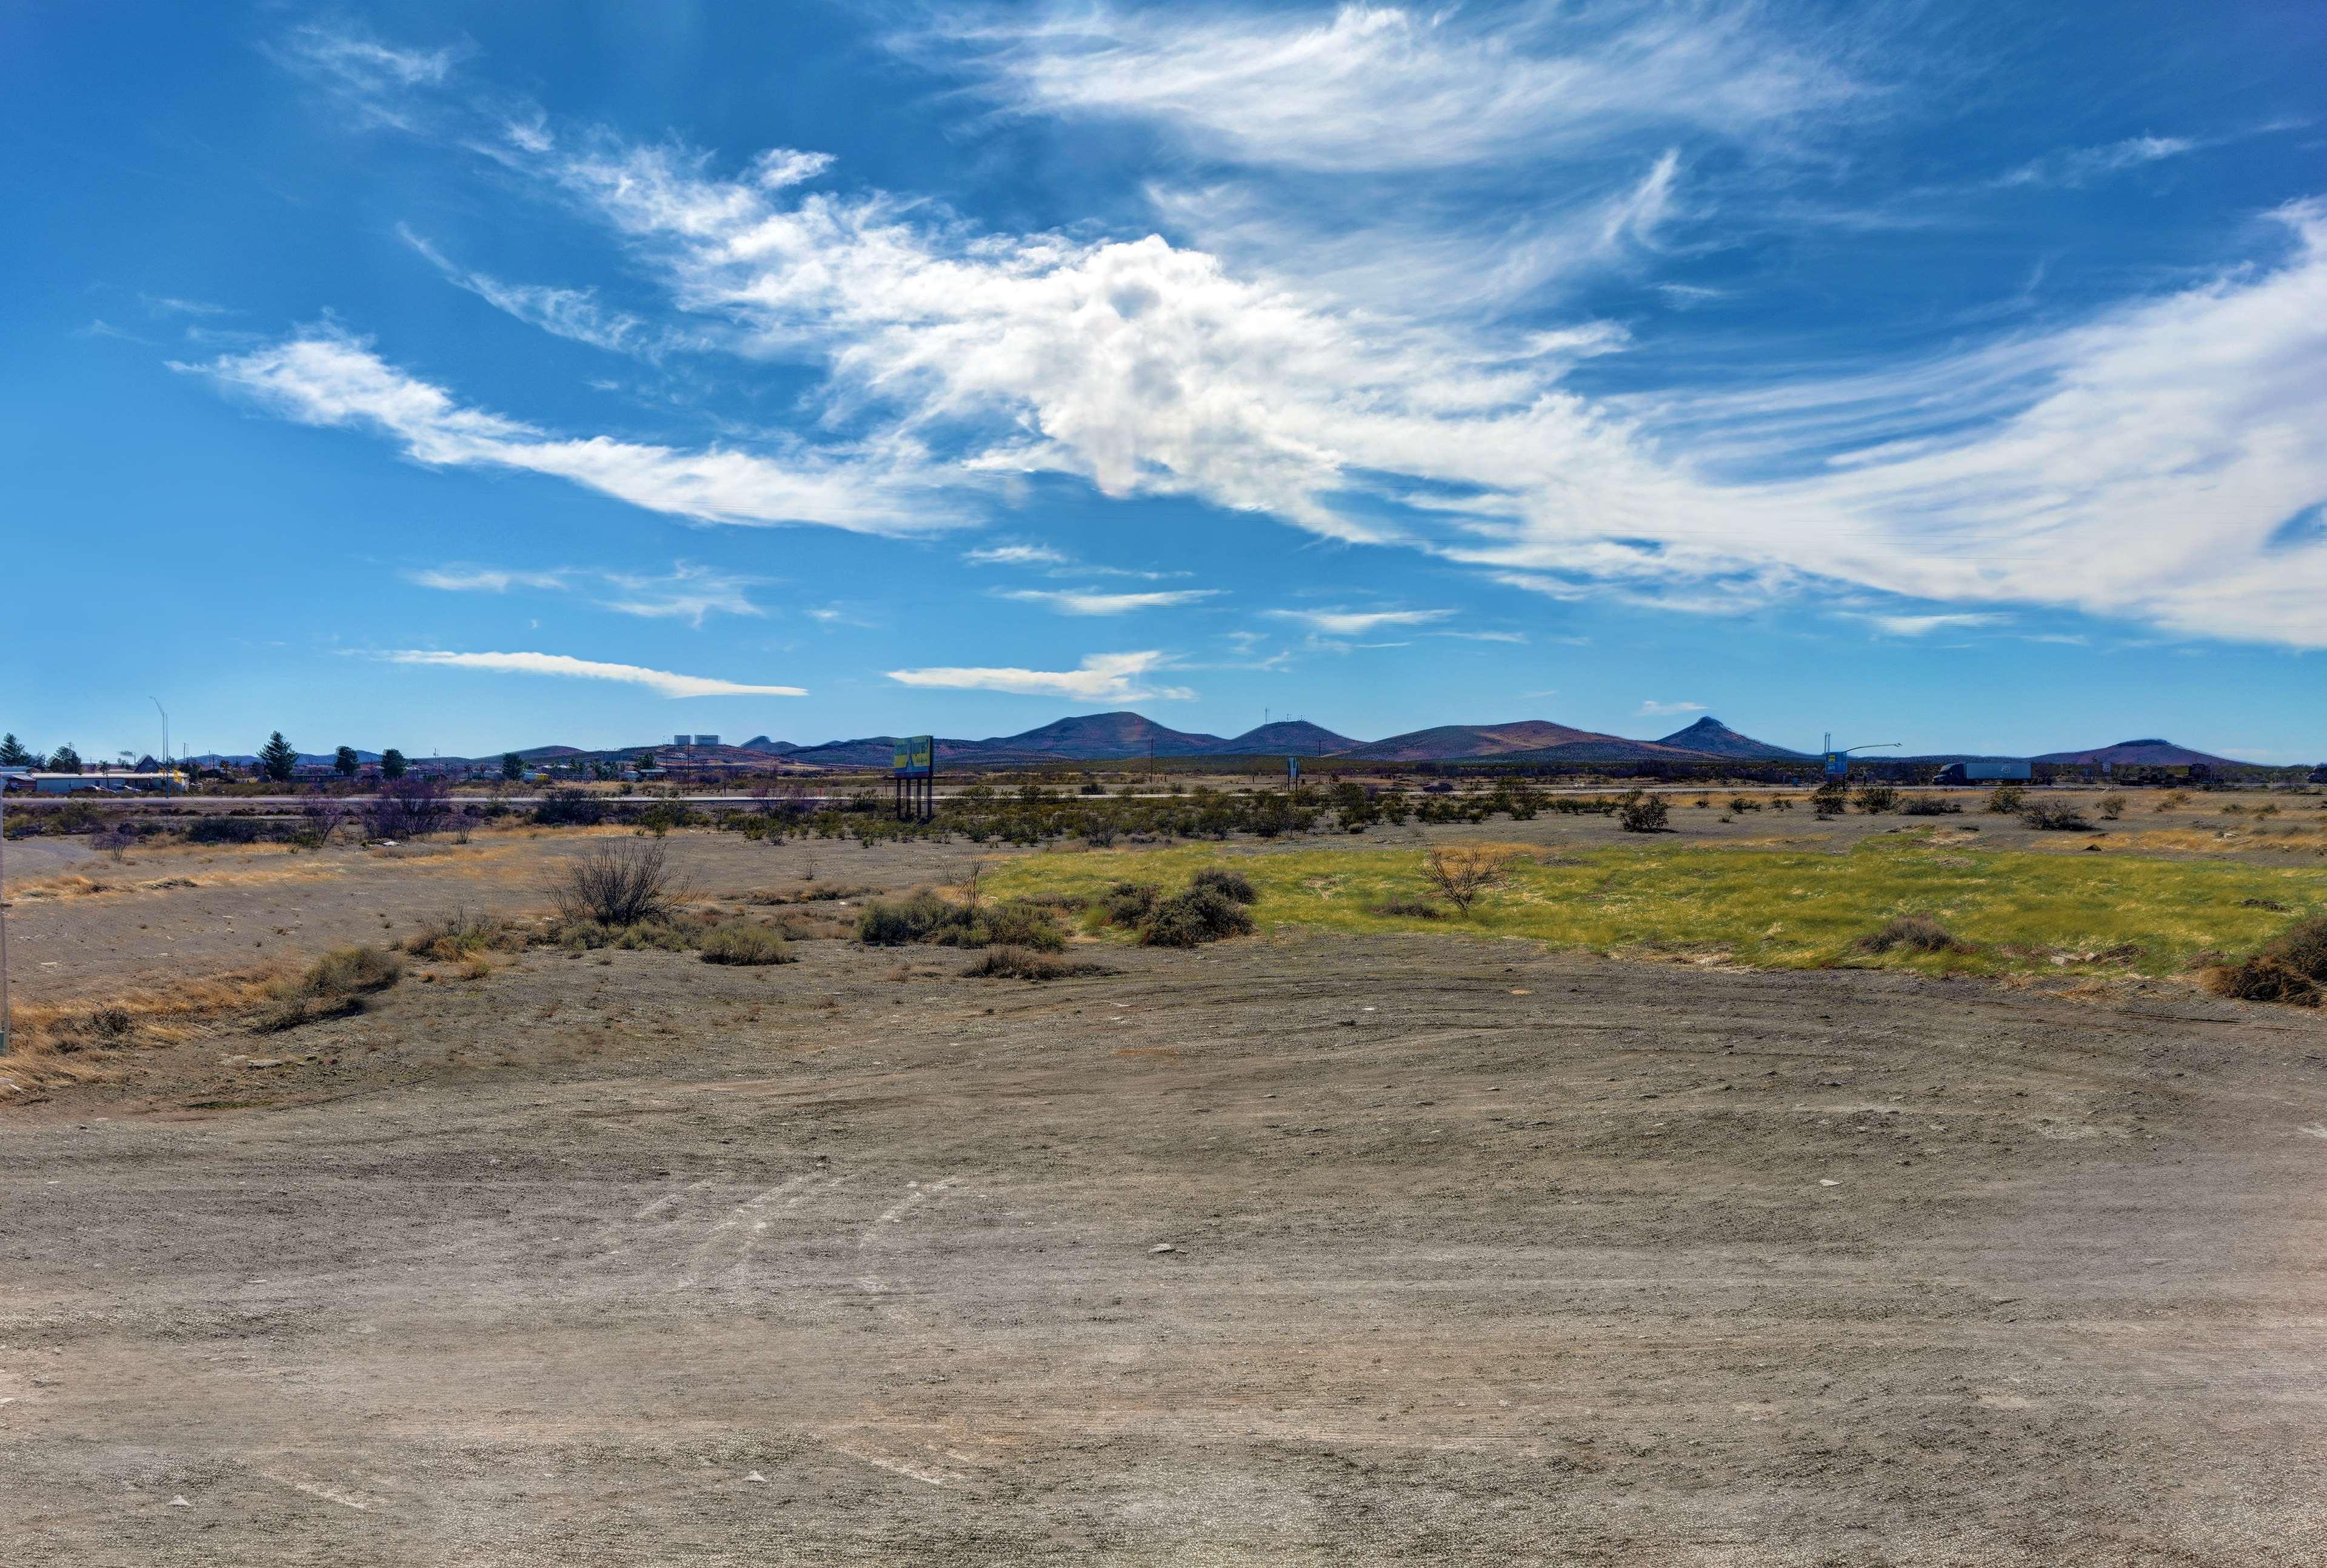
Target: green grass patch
{"x": 2012, "y": 910}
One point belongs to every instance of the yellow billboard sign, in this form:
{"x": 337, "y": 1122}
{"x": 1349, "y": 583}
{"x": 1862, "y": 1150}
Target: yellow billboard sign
{"x": 915, "y": 756}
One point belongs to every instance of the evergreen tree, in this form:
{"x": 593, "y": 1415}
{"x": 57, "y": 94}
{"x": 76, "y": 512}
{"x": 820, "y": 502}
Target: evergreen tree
{"x": 278, "y": 758}
{"x": 64, "y": 759}
{"x": 392, "y": 763}
{"x": 512, "y": 766}
{"x": 13, "y": 754}
{"x": 345, "y": 762}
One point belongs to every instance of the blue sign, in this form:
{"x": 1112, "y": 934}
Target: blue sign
{"x": 1837, "y": 764}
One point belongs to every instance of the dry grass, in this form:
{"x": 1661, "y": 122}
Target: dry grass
{"x": 73, "y": 1041}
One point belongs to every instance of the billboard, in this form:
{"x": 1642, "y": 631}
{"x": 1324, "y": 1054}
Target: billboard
{"x": 915, "y": 757}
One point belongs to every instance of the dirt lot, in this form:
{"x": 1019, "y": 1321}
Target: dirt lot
{"x": 1478, "y": 1254}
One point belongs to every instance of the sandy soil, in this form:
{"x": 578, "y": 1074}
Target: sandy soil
{"x": 1477, "y": 1254}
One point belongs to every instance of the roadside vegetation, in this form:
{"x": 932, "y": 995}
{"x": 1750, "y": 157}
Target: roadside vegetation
{"x": 1899, "y": 901}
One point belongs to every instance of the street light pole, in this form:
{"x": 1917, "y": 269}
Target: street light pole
{"x": 166, "y": 739}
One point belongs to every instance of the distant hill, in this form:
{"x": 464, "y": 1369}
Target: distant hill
{"x": 1533, "y": 739}
{"x": 1716, "y": 739}
{"x": 1289, "y": 737}
{"x": 1099, "y": 736}
{"x": 2151, "y": 753}
{"x": 773, "y": 748}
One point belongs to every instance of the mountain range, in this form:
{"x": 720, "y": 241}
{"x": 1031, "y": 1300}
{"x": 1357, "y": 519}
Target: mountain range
{"x": 1119, "y": 737}
{"x": 1124, "y": 735}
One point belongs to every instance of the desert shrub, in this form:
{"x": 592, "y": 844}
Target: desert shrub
{"x": 618, "y": 884}
{"x": 1018, "y": 963}
{"x": 927, "y": 917}
{"x": 221, "y": 830}
{"x": 408, "y": 807}
{"x": 2112, "y": 806}
{"x": 1011, "y": 925}
{"x": 1876, "y": 799}
{"x": 1460, "y": 876}
{"x": 1740, "y": 803}
{"x": 743, "y": 942}
{"x": 1829, "y": 799}
{"x": 335, "y": 984}
{"x": 459, "y": 934}
{"x": 1189, "y": 919}
{"x": 564, "y": 808}
{"x": 1227, "y": 882}
{"x": 1929, "y": 805}
{"x": 1642, "y": 812}
{"x": 1407, "y": 909}
{"x": 640, "y": 937}
{"x": 115, "y": 839}
{"x": 1128, "y": 903}
{"x": 2004, "y": 800}
{"x": 2173, "y": 800}
{"x": 1916, "y": 933}
{"x": 893, "y": 922}
{"x": 2290, "y": 967}
{"x": 2055, "y": 817}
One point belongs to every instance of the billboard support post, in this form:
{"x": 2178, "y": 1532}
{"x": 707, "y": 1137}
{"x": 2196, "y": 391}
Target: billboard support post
{"x": 913, "y": 777}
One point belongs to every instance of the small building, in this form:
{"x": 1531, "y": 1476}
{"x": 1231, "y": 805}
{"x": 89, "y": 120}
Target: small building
{"x": 32, "y": 781}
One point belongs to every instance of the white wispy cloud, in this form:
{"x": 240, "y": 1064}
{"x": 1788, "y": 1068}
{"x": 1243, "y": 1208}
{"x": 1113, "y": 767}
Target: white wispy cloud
{"x": 686, "y": 591}
{"x": 460, "y": 579}
{"x": 2082, "y": 165}
{"x": 1380, "y": 87}
{"x": 1016, "y": 555}
{"x": 558, "y": 664}
{"x": 1358, "y": 622}
{"x": 1067, "y": 602}
{"x": 328, "y": 378}
{"x": 1924, "y": 625}
{"x": 2135, "y": 463}
{"x": 1100, "y": 678}
{"x": 1518, "y": 637}
{"x": 1651, "y": 708}
{"x": 565, "y": 312}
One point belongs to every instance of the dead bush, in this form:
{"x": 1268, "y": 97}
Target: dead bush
{"x": 1407, "y": 909}
{"x": 625, "y": 882}
{"x": 2056, "y": 817}
{"x": 2004, "y": 800}
{"x": 1915, "y": 933}
{"x": 1929, "y": 805}
{"x": 2112, "y": 806}
{"x": 1640, "y": 812}
{"x": 1461, "y": 876}
{"x": 1877, "y": 799}
{"x": 2291, "y": 968}
{"x": 1021, "y": 964}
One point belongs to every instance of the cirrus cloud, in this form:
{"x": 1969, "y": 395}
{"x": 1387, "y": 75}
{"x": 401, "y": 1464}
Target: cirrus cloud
{"x": 664, "y": 681}
{"x": 1112, "y": 677}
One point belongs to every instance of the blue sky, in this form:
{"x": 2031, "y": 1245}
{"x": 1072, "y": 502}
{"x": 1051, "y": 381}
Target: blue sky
{"x": 460, "y": 376}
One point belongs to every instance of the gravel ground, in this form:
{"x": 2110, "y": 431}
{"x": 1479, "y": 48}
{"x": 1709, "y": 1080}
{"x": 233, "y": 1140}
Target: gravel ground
{"x": 1476, "y": 1255}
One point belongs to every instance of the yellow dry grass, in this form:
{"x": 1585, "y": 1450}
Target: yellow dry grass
{"x": 72, "y": 1042}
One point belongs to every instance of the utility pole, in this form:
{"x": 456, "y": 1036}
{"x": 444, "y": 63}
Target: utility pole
{"x": 166, "y": 739}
